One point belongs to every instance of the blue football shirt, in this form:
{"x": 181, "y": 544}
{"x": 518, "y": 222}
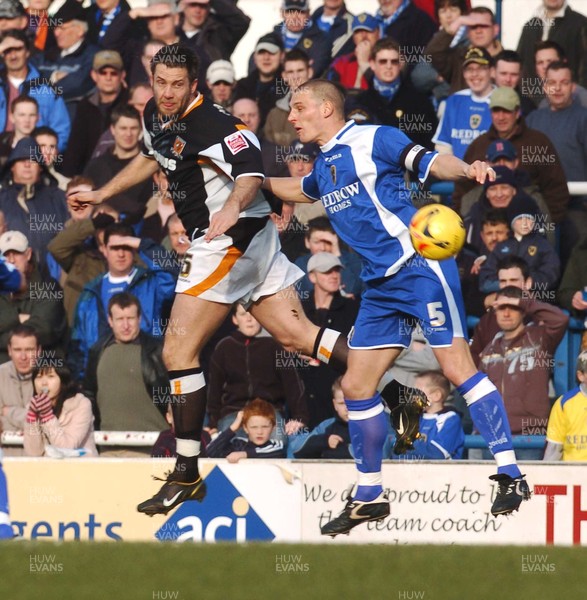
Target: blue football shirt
{"x": 464, "y": 119}
{"x": 359, "y": 177}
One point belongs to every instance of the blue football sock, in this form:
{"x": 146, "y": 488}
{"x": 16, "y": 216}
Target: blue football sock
{"x": 368, "y": 429}
{"x": 490, "y": 419}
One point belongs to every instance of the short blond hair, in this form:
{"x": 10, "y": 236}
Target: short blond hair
{"x": 325, "y": 91}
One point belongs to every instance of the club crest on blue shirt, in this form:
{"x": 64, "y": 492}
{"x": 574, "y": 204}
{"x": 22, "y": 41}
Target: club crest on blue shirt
{"x": 178, "y": 146}
{"x": 333, "y": 174}
{"x": 475, "y": 121}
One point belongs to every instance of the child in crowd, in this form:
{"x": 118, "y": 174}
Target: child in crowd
{"x": 330, "y": 438}
{"x": 528, "y": 243}
{"x": 58, "y": 415}
{"x": 258, "y": 421}
{"x": 441, "y": 431}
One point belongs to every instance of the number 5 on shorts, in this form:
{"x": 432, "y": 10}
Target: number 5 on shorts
{"x": 186, "y": 266}
{"x": 436, "y": 316}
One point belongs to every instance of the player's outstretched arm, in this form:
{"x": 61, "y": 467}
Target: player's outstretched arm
{"x": 287, "y": 189}
{"x": 139, "y": 169}
{"x": 451, "y": 168}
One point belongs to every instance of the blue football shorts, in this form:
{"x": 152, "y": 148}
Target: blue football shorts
{"x": 423, "y": 292}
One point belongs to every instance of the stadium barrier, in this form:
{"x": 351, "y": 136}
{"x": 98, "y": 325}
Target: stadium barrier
{"x": 288, "y": 501}
{"x": 148, "y": 438}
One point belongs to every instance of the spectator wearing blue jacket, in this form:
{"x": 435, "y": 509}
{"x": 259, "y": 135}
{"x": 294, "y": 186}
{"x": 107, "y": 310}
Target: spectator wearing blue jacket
{"x": 68, "y": 66}
{"x": 21, "y": 77}
{"x": 441, "y": 430}
{"x": 152, "y": 286}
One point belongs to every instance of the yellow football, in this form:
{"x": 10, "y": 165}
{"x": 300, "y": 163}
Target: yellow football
{"x": 437, "y": 232}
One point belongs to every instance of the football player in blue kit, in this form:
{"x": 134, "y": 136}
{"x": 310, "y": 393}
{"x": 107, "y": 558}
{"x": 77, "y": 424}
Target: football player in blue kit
{"x": 213, "y": 163}
{"x": 359, "y": 177}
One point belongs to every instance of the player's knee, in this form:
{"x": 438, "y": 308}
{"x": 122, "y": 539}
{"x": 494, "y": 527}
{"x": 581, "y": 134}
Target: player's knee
{"x": 355, "y": 388}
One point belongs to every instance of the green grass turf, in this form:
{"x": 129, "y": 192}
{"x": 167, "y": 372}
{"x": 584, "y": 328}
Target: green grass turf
{"x": 129, "y": 571}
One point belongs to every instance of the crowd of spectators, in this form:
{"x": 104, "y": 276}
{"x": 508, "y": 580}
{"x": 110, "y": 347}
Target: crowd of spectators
{"x": 81, "y": 339}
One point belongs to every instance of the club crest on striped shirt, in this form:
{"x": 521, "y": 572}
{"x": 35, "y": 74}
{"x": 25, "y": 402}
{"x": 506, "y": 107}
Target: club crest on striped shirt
{"x": 178, "y": 146}
{"x": 333, "y": 174}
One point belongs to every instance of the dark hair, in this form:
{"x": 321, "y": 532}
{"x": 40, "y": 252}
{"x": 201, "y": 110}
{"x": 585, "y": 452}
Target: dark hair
{"x": 438, "y": 4}
{"x": 514, "y": 262}
{"x": 436, "y": 379}
{"x": 557, "y": 65}
{"x": 511, "y": 291}
{"x": 550, "y": 45}
{"x": 297, "y": 54}
{"x": 124, "y": 110}
{"x": 483, "y": 10}
{"x": 18, "y": 34}
{"x": 23, "y": 330}
{"x": 124, "y": 300}
{"x": 178, "y": 56}
{"x": 21, "y": 100}
{"x": 510, "y": 56}
{"x": 69, "y": 386}
{"x": 495, "y": 216}
{"x": 44, "y": 130}
{"x": 318, "y": 224}
{"x": 121, "y": 229}
{"x": 385, "y": 43}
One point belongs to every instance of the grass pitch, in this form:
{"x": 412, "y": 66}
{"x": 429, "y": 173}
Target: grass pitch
{"x": 164, "y": 571}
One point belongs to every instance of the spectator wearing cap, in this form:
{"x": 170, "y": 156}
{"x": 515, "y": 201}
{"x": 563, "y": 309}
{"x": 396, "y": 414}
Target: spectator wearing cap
{"x": 93, "y": 113}
{"x": 29, "y": 205}
{"x": 526, "y": 242}
{"x": 39, "y": 304}
{"x": 502, "y": 153}
{"x": 326, "y": 307}
{"x": 466, "y": 114}
{"x": 565, "y": 123}
{"x": 518, "y": 360}
{"x": 349, "y": 70}
{"x": 296, "y": 71}
{"x": 68, "y": 65}
{"x": 498, "y": 193}
{"x": 262, "y": 85}
{"x": 409, "y": 26}
{"x": 220, "y": 79}
{"x": 424, "y": 76}
{"x": 567, "y": 426}
{"x": 216, "y": 26}
{"x": 321, "y": 237}
{"x": 391, "y": 99}
{"x": 12, "y": 15}
{"x": 536, "y": 153}
{"x": 297, "y": 30}
{"x": 16, "y": 50}
{"x": 334, "y": 19}
{"x": 447, "y": 54}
